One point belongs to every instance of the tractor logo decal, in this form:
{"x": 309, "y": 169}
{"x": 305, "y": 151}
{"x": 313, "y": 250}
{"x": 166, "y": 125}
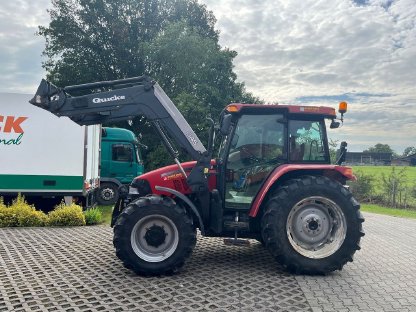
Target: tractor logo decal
{"x": 171, "y": 175}
{"x": 11, "y": 126}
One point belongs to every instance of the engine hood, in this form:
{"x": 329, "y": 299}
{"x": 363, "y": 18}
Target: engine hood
{"x": 172, "y": 177}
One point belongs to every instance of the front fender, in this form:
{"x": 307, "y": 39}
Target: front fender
{"x": 120, "y": 205}
{"x": 188, "y": 202}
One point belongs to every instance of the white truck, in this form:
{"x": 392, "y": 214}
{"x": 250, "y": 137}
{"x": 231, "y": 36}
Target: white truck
{"x": 44, "y": 155}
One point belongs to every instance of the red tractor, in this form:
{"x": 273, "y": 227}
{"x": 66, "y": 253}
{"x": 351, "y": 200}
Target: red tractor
{"x": 271, "y": 180}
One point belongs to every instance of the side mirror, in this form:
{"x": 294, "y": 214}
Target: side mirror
{"x": 226, "y": 124}
{"x": 142, "y": 146}
{"x": 342, "y": 153}
{"x": 334, "y": 124}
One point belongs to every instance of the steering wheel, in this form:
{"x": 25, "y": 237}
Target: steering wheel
{"x": 251, "y": 157}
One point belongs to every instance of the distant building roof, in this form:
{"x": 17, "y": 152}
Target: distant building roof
{"x": 409, "y": 159}
{"x": 387, "y": 156}
{"x": 367, "y": 157}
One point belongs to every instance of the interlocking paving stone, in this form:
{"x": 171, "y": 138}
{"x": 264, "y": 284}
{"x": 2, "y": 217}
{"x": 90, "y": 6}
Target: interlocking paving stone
{"x": 382, "y": 276}
{"x": 75, "y": 269}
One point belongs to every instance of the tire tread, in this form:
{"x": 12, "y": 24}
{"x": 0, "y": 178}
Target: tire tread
{"x": 275, "y": 210}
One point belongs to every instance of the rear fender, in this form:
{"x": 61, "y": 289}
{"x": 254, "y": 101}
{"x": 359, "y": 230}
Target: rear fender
{"x": 290, "y": 171}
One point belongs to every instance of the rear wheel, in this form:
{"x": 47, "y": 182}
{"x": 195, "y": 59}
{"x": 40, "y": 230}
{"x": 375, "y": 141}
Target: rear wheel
{"x": 312, "y": 225}
{"x": 107, "y": 194}
{"x": 154, "y": 236}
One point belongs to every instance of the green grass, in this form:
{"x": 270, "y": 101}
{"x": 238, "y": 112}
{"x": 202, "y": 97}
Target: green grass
{"x": 377, "y": 171}
{"x": 106, "y": 211}
{"x": 403, "y": 213}
{"x": 407, "y": 175}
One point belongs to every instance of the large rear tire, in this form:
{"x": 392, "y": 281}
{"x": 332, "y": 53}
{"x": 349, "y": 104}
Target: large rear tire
{"x": 154, "y": 236}
{"x": 312, "y": 225}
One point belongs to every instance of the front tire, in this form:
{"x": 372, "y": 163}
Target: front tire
{"x": 312, "y": 225}
{"x": 154, "y": 236}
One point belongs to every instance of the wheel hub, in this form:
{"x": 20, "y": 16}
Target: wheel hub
{"x": 155, "y": 235}
{"x": 316, "y": 227}
{"x": 154, "y": 238}
{"x": 313, "y": 224}
{"x": 107, "y": 194}
{"x": 310, "y": 225}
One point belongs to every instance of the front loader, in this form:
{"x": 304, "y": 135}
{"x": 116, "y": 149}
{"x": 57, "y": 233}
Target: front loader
{"x": 271, "y": 181}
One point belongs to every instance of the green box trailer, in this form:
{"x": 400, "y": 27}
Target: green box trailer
{"x": 44, "y": 155}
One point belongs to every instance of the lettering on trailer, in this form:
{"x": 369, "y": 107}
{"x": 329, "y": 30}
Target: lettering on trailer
{"x": 11, "y": 125}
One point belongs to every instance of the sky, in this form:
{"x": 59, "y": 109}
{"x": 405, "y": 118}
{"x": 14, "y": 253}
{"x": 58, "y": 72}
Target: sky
{"x": 306, "y": 52}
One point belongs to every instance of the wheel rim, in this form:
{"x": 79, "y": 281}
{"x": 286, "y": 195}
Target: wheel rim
{"x": 154, "y": 238}
{"x": 107, "y": 194}
{"x": 316, "y": 227}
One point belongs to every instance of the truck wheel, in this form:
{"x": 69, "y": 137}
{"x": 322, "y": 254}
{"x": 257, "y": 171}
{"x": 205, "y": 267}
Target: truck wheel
{"x": 312, "y": 225}
{"x": 154, "y": 236}
{"x": 107, "y": 194}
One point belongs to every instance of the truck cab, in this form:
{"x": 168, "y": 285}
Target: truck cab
{"x": 121, "y": 162}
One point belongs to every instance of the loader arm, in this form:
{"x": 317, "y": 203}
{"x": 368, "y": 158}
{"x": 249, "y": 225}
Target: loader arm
{"x": 127, "y": 98}
{"x": 124, "y": 99}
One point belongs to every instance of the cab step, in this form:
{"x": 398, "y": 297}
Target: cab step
{"x": 231, "y": 225}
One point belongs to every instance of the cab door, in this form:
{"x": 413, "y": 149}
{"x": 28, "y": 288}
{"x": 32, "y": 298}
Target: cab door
{"x": 258, "y": 145}
{"x": 123, "y": 158}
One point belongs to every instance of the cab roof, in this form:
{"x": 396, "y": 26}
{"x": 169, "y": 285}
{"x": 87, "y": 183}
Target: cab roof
{"x": 324, "y": 111}
{"x": 118, "y": 134}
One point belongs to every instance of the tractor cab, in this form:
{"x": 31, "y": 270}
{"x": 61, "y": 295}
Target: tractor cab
{"x": 261, "y": 138}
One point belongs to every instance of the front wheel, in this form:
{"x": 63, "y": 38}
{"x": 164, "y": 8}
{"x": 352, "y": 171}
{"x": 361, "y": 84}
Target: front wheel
{"x": 312, "y": 225}
{"x": 154, "y": 236}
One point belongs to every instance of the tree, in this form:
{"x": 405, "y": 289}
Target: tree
{"x": 379, "y": 148}
{"x": 103, "y": 39}
{"x": 183, "y": 61}
{"x": 411, "y": 150}
{"x": 196, "y": 73}
{"x": 173, "y": 41}
{"x": 333, "y": 145}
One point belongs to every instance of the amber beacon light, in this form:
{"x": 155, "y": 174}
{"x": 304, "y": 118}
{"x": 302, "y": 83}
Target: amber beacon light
{"x": 343, "y": 107}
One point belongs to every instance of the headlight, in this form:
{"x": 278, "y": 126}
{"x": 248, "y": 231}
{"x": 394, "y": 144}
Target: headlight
{"x": 140, "y": 187}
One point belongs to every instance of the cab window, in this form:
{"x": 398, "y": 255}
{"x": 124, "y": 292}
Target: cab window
{"x": 306, "y": 142}
{"x": 122, "y": 152}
